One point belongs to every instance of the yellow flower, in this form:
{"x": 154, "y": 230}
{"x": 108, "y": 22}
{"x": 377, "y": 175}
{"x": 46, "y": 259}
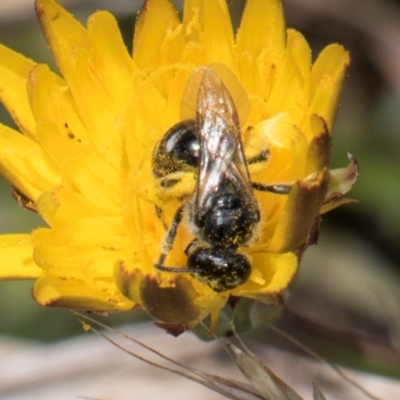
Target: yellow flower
{"x": 84, "y": 158}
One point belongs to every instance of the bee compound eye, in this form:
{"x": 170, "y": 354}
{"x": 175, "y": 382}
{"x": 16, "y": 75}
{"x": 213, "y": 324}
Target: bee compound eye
{"x": 186, "y": 146}
{"x": 182, "y": 144}
{"x": 177, "y": 150}
{"x": 220, "y": 269}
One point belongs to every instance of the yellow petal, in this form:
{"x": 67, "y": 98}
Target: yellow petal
{"x": 128, "y": 279}
{"x": 59, "y": 129}
{"x": 25, "y": 164}
{"x": 96, "y": 180}
{"x": 63, "y": 203}
{"x": 319, "y": 151}
{"x": 99, "y": 114}
{"x": 53, "y": 291}
{"x": 16, "y": 258}
{"x": 300, "y": 211}
{"x": 61, "y": 146}
{"x": 147, "y": 119}
{"x": 192, "y": 19}
{"x": 277, "y": 271}
{"x": 278, "y": 133}
{"x": 143, "y": 232}
{"x": 112, "y": 62}
{"x": 63, "y": 32}
{"x": 156, "y": 27}
{"x": 172, "y": 48}
{"x": 40, "y": 85}
{"x": 208, "y": 23}
{"x": 218, "y": 33}
{"x": 157, "y": 18}
{"x": 60, "y": 205}
{"x": 14, "y": 70}
{"x": 284, "y": 267}
{"x": 176, "y": 91}
{"x": 291, "y": 85}
{"x": 70, "y": 44}
{"x": 84, "y": 254}
{"x": 327, "y": 76}
{"x": 262, "y": 26}
{"x": 301, "y": 53}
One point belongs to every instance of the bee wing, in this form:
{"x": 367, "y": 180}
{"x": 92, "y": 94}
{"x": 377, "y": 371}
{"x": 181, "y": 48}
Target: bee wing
{"x": 221, "y": 154}
{"x": 229, "y": 80}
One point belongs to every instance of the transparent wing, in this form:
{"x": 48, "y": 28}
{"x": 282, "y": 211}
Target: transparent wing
{"x": 222, "y": 162}
{"x": 229, "y": 80}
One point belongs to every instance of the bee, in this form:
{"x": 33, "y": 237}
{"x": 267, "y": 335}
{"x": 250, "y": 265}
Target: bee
{"x": 222, "y": 213}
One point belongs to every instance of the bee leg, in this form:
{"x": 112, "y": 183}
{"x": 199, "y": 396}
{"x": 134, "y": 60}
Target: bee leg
{"x": 190, "y": 246}
{"x": 277, "y": 189}
{"x": 262, "y": 157}
{"x": 169, "y": 240}
{"x": 160, "y": 216}
{"x": 262, "y": 187}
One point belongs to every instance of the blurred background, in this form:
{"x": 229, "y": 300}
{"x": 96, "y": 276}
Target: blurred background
{"x": 346, "y": 304}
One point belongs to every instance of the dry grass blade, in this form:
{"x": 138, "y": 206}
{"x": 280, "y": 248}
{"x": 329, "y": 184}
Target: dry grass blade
{"x": 317, "y": 394}
{"x": 228, "y": 388}
{"x": 318, "y": 357}
{"x": 263, "y": 383}
{"x": 267, "y": 384}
